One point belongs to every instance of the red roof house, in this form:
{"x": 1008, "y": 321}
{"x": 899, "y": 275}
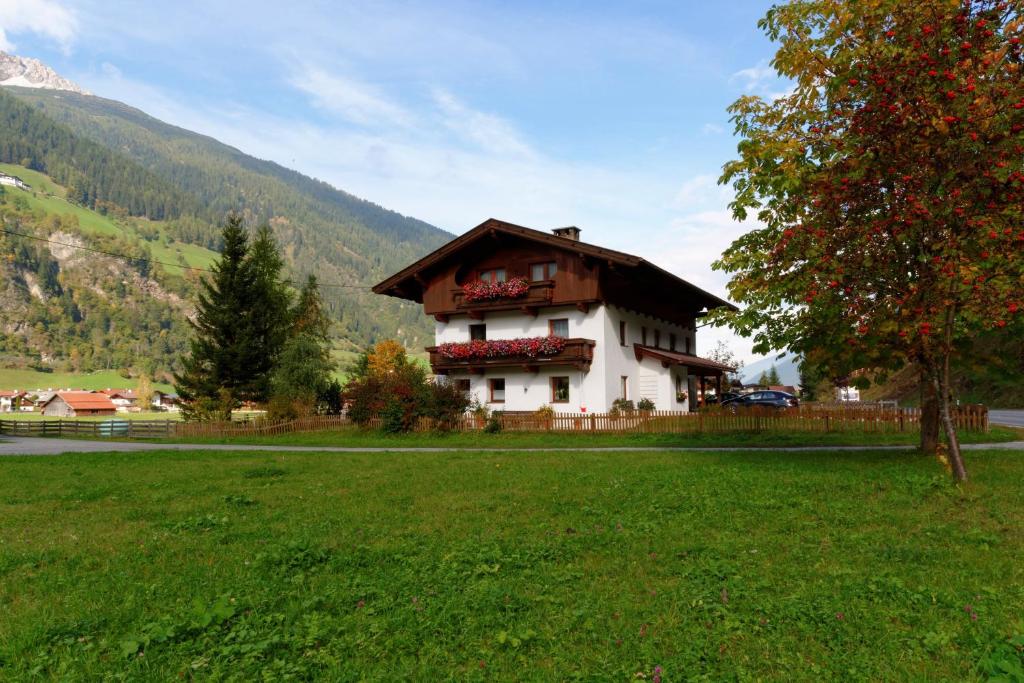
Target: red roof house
{"x": 78, "y": 404}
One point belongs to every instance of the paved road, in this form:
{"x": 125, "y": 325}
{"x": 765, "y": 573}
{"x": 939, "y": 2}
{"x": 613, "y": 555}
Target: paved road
{"x": 1011, "y": 418}
{"x": 23, "y": 445}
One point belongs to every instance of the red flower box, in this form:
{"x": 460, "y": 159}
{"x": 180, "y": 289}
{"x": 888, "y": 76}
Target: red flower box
{"x": 486, "y": 291}
{"x": 530, "y": 347}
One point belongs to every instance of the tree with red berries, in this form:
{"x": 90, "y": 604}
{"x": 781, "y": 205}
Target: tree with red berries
{"x": 890, "y": 186}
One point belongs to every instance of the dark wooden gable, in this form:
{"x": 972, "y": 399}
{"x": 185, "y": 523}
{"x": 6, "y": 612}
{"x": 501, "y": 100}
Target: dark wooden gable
{"x": 586, "y": 274}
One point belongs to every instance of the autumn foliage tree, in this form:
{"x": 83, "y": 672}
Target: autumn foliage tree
{"x": 889, "y": 182}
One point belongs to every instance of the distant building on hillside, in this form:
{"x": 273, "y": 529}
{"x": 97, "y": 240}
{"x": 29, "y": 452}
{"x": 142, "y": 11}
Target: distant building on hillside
{"x": 14, "y": 181}
{"x": 78, "y": 404}
{"x": 847, "y": 394}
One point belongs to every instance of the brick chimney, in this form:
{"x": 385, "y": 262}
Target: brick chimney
{"x": 569, "y": 232}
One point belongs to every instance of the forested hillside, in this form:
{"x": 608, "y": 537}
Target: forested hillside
{"x": 168, "y": 190}
{"x": 69, "y": 309}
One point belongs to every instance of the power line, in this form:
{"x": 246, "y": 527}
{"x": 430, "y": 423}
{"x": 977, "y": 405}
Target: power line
{"x": 137, "y": 259}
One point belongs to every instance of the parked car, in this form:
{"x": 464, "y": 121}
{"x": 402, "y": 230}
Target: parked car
{"x": 726, "y": 396}
{"x": 765, "y": 399}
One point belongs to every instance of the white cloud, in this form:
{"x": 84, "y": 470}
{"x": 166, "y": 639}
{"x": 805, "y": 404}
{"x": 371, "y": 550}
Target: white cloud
{"x": 755, "y": 77}
{"x": 44, "y": 17}
{"x": 490, "y": 132}
{"x": 357, "y": 102}
{"x": 702, "y": 191}
{"x": 712, "y": 129}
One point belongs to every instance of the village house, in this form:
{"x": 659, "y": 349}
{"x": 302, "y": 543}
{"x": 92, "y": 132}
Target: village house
{"x": 10, "y": 400}
{"x": 525, "y": 318}
{"x": 78, "y": 404}
{"x": 13, "y": 181}
{"x": 124, "y": 399}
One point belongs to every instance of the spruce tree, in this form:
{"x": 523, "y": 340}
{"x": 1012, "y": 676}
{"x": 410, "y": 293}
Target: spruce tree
{"x": 773, "y": 376}
{"x": 303, "y": 376}
{"x": 216, "y": 369}
{"x": 268, "y": 322}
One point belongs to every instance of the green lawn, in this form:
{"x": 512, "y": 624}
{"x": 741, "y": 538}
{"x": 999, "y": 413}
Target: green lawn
{"x": 102, "y": 379}
{"x": 510, "y": 566}
{"x": 351, "y": 436}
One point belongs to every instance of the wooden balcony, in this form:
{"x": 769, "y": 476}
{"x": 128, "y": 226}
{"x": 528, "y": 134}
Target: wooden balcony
{"x": 539, "y": 294}
{"x": 578, "y": 353}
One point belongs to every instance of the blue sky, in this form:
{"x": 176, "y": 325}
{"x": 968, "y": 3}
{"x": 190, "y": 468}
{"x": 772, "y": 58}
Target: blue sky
{"x": 609, "y": 116}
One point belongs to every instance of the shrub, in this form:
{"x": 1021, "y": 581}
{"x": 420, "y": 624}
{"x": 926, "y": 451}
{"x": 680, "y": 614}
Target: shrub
{"x": 645, "y": 404}
{"x": 401, "y": 395}
{"x": 545, "y": 412}
{"x": 493, "y": 425}
{"x": 622, "y": 405}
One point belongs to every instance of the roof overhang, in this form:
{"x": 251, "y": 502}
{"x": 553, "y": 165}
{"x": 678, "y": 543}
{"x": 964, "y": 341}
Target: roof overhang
{"x": 409, "y": 282}
{"x": 702, "y": 366}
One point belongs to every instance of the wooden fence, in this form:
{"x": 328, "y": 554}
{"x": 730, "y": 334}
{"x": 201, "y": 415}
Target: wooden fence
{"x": 806, "y": 418}
{"x": 166, "y": 429}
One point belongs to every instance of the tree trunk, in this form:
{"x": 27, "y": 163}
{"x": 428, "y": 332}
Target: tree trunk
{"x": 939, "y": 372}
{"x": 956, "y": 460}
{"x": 929, "y": 415}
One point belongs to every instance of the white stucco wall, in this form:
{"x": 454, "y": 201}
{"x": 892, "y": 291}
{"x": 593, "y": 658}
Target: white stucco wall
{"x": 590, "y": 391}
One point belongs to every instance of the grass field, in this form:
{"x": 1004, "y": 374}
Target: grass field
{"x": 369, "y": 438}
{"x": 102, "y": 379}
{"x": 513, "y": 566}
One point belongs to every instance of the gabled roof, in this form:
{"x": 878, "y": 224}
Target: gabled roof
{"x": 128, "y": 394}
{"x": 493, "y": 225}
{"x": 84, "y": 400}
{"x": 677, "y": 358}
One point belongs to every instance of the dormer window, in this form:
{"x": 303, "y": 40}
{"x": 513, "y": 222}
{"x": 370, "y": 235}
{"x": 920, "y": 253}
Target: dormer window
{"x": 493, "y": 275}
{"x": 543, "y": 271}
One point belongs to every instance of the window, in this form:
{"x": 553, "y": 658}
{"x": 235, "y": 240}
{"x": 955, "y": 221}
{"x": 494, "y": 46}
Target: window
{"x": 497, "y": 390}
{"x": 672, "y": 342}
{"x": 622, "y": 332}
{"x": 559, "y": 389}
{"x": 643, "y": 336}
{"x": 493, "y": 275}
{"x": 559, "y": 327}
{"x": 688, "y": 346}
{"x": 543, "y": 271}
{"x": 624, "y": 388}
{"x": 462, "y": 385}
{"x": 478, "y": 331}
{"x": 657, "y": 339}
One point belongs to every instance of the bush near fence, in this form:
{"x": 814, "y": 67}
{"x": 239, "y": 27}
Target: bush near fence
{"x": 809, "y": 418}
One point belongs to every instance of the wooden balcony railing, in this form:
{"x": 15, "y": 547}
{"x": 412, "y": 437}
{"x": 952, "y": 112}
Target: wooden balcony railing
{"x": 578, "y": 353}
{"x": 539, "y": 294}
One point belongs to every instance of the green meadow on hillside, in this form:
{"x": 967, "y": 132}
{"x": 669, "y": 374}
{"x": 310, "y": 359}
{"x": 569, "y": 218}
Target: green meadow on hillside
{"x": 48, "y": 197}
{"x": 11, "y": 378}
{"x": 510, "y": 566}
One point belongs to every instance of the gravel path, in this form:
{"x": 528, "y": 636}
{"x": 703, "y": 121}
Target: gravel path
{"x": 24, "y": 445}
{"x": 1010, "y": 418}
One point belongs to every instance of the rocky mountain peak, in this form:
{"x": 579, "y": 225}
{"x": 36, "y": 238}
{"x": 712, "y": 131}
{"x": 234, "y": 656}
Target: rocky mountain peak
{"x": 31, "y": 73}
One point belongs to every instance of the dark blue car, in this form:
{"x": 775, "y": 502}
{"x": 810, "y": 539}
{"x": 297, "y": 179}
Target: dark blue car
{"x": 764, "y": 399}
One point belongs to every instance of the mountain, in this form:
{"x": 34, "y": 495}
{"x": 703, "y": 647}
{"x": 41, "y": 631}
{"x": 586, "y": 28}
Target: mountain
{"x": 788, "y": 367}
{"x": 31, "y": 73}
{"x": 167, "y": 190}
